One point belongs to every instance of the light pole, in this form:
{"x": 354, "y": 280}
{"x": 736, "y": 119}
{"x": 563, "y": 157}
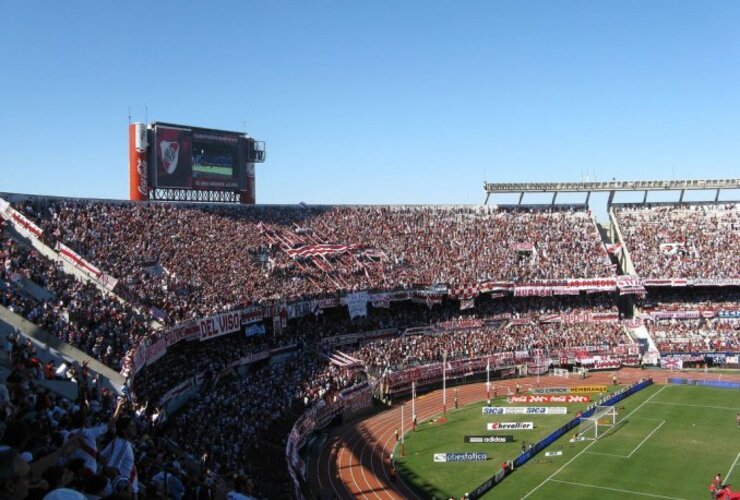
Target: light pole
{"x": 488, "y": 381}
{"x": 444, "y": 383}
{"x": 413, "y": 402}
{"x": 403, "y": 449}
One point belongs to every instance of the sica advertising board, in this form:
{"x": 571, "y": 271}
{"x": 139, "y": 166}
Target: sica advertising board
{"x": 510, "y": 426}
{"x": 525, "y": 410}
{"x": 460, "y": 457}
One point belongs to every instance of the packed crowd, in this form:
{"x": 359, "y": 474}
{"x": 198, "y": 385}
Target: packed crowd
{"x": 254, "y": 414}
{"x": 188, "y": 359}
{"x": 696, "y": 335}
{"x": 97, "y": 446}
{"x": 479, "y": 341}
{"x": 715, "y": 329}
{"x": 76, "y": 313}
{"x": 694, "y": 299}
{"x": 190, "y": 261}
{"x": 682, "y": 241}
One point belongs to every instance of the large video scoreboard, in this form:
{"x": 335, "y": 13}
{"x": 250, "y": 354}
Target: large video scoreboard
{"x": 173, "y": 161}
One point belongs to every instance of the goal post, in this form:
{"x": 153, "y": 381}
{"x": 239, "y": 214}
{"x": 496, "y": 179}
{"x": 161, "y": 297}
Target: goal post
{"x": 559, "y": 372}
{"x": 603, "y": 418}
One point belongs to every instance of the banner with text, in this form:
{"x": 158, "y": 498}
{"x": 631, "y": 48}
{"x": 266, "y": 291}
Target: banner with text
{"x": 569, "y": 398}
{"x": 70, "y": 256}
{"x": 525, "y": 410}
{"x": 510, "y": 426}
{"x": 19, "y": 221}
{"x": 220, "y": 324}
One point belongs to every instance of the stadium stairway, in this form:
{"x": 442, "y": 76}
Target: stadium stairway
{"x": 41, "y": 293}
{"x": 50, "y": 347}
{"x": 625, "y": 261}
{"x": 642, "y": 333}
{"x": 49, "y": 253}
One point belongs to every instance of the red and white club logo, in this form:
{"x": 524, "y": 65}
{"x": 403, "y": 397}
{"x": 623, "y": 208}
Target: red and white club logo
{"x": 170, "y": 152}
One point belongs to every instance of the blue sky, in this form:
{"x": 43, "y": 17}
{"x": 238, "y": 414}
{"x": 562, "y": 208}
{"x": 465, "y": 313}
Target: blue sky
{"x": 375, "y": 102}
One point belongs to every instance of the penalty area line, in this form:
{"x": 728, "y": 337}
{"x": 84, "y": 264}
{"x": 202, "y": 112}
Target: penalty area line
{"x": 646, "y": 438}
{"x": 727, "y": 476}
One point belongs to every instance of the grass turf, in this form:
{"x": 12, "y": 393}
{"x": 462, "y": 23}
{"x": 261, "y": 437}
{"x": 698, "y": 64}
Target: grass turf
{"x": 670, "y": 441}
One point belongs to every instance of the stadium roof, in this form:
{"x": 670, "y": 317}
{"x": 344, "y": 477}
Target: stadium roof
{"x": 610, "y": 187}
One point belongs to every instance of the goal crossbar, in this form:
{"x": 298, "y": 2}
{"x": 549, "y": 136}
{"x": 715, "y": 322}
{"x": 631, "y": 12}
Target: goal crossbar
{"x": 603, "y": 416}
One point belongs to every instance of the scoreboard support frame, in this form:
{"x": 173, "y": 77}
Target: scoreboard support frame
{"x": 194, "y": 195}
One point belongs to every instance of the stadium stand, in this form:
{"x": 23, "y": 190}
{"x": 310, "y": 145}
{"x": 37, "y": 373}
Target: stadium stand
{"x": 190, "y": 261}
{"x": 462, "y": 283}
{"x": 691, "y": 241}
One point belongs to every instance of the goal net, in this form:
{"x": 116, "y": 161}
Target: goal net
{"x": 559, "y": 372}
{"x": 601, "y": 420}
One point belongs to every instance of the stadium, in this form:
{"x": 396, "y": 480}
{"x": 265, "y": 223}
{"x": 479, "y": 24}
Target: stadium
{"x": 280, "y": 361}
{"x": 334, "y": 251}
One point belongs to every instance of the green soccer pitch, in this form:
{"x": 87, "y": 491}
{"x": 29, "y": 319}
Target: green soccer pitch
{"x": 669, "y": 442}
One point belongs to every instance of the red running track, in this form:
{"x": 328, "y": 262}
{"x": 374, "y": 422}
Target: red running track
{"x": 354, "y": 462}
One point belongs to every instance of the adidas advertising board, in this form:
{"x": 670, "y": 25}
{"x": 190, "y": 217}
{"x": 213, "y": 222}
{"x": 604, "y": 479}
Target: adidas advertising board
{"x": 489, "y": 439}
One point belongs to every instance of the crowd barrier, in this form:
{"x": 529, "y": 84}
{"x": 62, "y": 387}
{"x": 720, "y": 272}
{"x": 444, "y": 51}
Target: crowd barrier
{"x": 317, "y": 417}
{"x": 708, "y": 383}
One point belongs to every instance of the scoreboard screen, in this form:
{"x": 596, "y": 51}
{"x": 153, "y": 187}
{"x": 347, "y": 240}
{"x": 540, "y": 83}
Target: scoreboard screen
{"x": 192, "y": 158}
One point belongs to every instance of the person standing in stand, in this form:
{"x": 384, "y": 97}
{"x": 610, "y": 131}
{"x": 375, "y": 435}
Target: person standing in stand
{"x": 118, "y": 457}
{"x": 88, "y": 450}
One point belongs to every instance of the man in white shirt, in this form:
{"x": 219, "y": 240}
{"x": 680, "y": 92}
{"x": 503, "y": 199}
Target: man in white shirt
{"x": 118, "y": 456}
{"x": 88, "y": 450}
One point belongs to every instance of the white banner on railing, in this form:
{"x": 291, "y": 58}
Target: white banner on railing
{"x": 187, "y": 330}
{"x": 19, "y": 221}
{"x": 357, "y": 304}
{"x": 156, "y": 351}
{"x": 72, "y": 257}
{"x": 220, "y": 324}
